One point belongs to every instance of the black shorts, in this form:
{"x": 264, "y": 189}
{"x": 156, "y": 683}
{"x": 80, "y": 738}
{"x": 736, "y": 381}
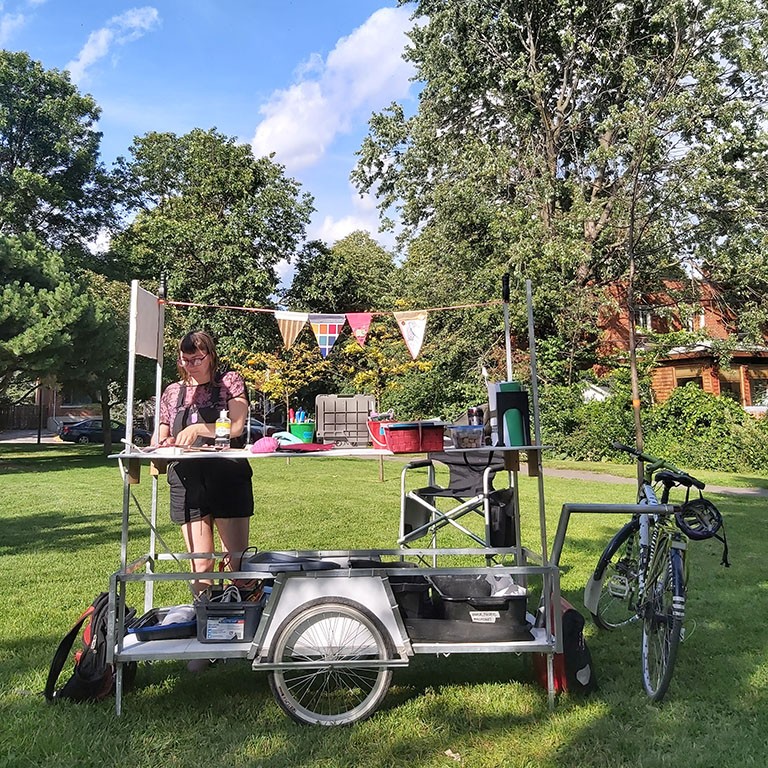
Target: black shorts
{"x": 215, "y": 487}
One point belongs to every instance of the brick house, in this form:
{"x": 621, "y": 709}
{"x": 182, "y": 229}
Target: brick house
{"x": 745, "y": 380}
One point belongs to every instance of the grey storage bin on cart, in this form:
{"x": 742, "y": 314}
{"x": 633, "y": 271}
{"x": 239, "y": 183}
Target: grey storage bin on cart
{"x": 280, "y": 562}
{"x": 227, "y": 622}
{"x": 150, "y": 626}
{"x": 468, "y": 598}
{"x": 412, "y": 592}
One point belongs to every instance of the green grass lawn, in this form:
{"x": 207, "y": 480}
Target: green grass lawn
{"x": 60, "y": 511}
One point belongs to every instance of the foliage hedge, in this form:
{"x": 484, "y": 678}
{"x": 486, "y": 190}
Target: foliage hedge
{"x": 692, "y": 428}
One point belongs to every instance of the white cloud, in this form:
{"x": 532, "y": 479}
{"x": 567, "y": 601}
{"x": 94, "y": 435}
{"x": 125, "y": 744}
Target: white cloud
{"x": 9, "y": 23}
{"x": 364, "y": 216}
{"x": 365, "y": 71}
{"x": 331, "y": 230}
{"x": 119, "y": 30}
{"x": 101, "y": 243}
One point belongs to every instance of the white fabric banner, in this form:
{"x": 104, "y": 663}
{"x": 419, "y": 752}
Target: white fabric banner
{"x": 412, "y": 325}
{"x": 145, "y": 325}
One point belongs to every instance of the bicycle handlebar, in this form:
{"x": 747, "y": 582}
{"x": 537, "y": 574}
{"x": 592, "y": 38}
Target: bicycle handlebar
{"x": 654, "y": 463}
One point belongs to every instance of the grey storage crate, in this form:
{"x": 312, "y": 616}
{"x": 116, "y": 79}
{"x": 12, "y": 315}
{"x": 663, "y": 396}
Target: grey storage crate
{"x": 343, "y": 419}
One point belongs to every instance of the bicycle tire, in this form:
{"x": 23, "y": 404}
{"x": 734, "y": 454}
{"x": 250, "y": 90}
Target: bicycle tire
{"x": 610, "y": 594}
{"x": 663, "y": 613}
{"x": 331, "y": 629}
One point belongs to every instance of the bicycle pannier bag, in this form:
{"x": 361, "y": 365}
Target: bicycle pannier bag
{"x": 573, "y": 668}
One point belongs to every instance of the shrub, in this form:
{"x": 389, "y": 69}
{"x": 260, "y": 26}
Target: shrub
{"x": 692, "y": 428}
{"x": 584, "y": 431}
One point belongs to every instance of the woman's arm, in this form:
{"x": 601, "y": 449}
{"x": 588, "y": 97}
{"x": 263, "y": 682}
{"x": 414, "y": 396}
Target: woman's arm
{"x": 238, "y": 414}
{"x": 162, "y": 436}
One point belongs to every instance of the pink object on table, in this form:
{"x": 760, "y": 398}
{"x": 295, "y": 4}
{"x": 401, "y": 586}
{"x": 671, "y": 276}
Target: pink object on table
{"x": 265, "y": 445}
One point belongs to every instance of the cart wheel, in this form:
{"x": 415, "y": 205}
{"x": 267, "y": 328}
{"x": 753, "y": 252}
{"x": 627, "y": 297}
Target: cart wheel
{"x": 331, "y": 629}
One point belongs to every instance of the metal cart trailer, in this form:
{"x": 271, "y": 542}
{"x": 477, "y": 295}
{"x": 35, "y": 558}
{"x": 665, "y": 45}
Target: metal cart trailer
{"x": 330, "y": 627}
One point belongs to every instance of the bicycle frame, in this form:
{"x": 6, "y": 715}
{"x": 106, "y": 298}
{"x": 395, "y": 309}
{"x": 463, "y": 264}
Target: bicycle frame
{"x": 656, "y": 537}
{"x": 641, "y": 574}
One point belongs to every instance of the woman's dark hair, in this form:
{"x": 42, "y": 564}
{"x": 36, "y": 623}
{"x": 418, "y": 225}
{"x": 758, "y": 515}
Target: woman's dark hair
{"x": 197, "y": 341}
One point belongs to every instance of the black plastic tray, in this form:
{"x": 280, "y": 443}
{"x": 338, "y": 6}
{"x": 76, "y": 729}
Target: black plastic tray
{"x": 148, "y": 627}
{"x": 277, "y": 562}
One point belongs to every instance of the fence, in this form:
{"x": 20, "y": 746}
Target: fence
{"x": 19, "y": 417}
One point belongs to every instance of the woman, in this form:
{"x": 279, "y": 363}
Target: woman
{"x": 205, "y": 491}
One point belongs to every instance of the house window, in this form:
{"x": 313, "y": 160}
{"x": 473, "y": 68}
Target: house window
{"x": 75, "y": 396}
{"x": 644, "y": 319}
{"x": 691, "y": 380}
{"x": 730, "y": 389}
{"x": 759, "y": 389}
{"x": 696, "y": 322}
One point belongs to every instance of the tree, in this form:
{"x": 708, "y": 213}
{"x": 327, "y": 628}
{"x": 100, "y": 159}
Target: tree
{"x": 51, "y": 182}
{"x": 216, "y": 221}
{"x": 354, "y": 275}
{"x": 44, "y": 312}
{"x": 572, "y": 144}
{"x": 286, "y": 375}
{"x": 97, "y": 364}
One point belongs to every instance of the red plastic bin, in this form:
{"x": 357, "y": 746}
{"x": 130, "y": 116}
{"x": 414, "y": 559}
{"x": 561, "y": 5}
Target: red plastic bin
{"x": 414, "y": 437}
{"x": 377, "y": 434}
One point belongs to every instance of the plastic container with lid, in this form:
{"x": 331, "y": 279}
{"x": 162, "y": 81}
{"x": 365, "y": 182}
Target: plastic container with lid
{"x": 467, "y": 436}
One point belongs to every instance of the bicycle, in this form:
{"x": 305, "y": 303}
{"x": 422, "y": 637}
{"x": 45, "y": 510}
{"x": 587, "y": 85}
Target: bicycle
{"x": 642, "y": 573}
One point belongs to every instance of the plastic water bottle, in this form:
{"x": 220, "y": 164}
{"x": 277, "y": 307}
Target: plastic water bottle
{"x": 223, "y": 430}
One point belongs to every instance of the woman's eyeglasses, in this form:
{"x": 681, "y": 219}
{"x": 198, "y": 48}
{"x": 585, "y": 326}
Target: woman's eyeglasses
{"x": 192, "y": 362}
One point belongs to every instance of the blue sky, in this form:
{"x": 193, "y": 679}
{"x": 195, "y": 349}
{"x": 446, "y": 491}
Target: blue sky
{"x": 296, "y": 77}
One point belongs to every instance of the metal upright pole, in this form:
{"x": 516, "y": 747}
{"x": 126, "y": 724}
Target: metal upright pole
{"x": 507, "y": 337}
{"x": 149, "y": 586}
{"x": 132, "y": 333}
{"x": 536, "y": 425}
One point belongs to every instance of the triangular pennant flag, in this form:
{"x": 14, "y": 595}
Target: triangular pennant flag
{"x": 327, "y": 329}
{"x": 412, "y": 326}
{"x": 359, "y": 322}
{"x": 290, "y": 325}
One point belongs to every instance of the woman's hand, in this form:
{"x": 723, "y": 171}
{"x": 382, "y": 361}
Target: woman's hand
{"x": 189, "y": 435}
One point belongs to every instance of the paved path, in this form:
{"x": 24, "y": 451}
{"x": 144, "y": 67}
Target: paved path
{"x": 601, "y": 477}
{"x": 28, "y": 436}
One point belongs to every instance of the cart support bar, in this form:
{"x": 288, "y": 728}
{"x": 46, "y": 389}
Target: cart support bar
{"x": 601, "y": 509}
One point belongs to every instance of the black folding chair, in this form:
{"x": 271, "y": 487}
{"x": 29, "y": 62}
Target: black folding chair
{"x": 425, "y": 509}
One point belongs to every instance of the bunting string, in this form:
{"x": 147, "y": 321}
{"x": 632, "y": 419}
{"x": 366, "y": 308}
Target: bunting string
{"x": 327, "y": 327}
{"x": 375, "y": 312}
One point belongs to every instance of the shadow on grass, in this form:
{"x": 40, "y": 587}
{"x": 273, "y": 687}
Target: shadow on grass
{"x": 17, "y": 459}
{"x": 52, "y": 532}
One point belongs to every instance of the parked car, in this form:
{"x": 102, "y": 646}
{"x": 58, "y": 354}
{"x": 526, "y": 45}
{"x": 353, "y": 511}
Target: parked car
{"x": 259, "y": 429}
{"x": 91, "y": 431}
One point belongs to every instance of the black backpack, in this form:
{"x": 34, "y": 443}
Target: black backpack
{"x": 92, "y": 679}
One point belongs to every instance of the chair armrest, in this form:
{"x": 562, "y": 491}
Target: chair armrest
{"x": 418, "y": 464}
